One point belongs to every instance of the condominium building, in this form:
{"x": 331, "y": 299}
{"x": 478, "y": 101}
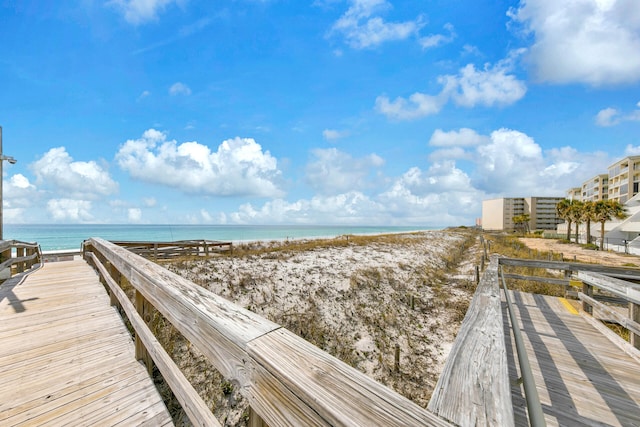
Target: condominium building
{"x": 497, "y": 214}
{"x": 574, "y": 193}
{"x": 594, "y": 189}
{"x": 624, "y": 179}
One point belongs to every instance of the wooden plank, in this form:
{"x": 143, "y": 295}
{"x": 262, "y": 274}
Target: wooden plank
{"x": 621, "y": 288}
{"x": 582, "y": 379}
{"x": 191, "y": 402}
{"x": 63, "y": 402}
{"x": 474, "y": 388}
{"x": 335, "y": 393}
{"x": 50, "y": 364}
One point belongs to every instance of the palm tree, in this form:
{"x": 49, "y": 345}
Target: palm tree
{"x": 588, "y": 215}
{"x": 576, "y": 214}
{"x": 522, "y": 222}
{"x": 562, "y": 210}
{"x": 606, "y": 210}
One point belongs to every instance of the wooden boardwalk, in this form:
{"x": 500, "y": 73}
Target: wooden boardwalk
{"x": 581, "y": 376}
{"x": 66, "y": 357}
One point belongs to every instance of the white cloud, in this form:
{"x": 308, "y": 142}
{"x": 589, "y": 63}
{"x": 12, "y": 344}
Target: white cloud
{"x": 332, "y": 171}
{"x": 140, "y": 11}
{"x": 20, "y": 181}
{"x": 632, "y": 150}
{"x": 435, "y": 40}
{"x": 585, "y": 41}
{"x": 19, "y": 197}
{"x": 149, "y": 202}
{"x": 453, "y": 153}
{"x": 439, "y": 178}
{"x": 513, "y": 164}
{"x": 418, "y": 105}
{"x": 508, "y": 163}
{"x": 332, "y": 134}
{"x": 490, "y": 86}
{"x": 464, "y": 137}
{"x": 143, "y": 95}
{"x": 362, "y": 28}
{"x": 239, "y": 167}
{"x": 70, "y": 210}
{"x": 134, "y": 215}
{"x": 612, "y": 117}
{"x": 348, "y": 208}
{"x": 82, "y": 180}
{"x": 470, "y": 87}
{"x": 608, "y": 117}
{"x": 179, "y": 88}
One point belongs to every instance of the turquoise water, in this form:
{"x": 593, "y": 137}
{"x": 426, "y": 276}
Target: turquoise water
{"x": 59, "y": 236}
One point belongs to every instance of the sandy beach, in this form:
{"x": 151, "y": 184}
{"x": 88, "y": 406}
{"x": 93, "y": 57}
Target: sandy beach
{"x": 354, "y": 297}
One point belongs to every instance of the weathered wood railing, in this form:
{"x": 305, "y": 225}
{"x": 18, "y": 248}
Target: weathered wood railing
{"x": 26, "y": 256}
{"x": 474, "y": 388}
{"x": 627, "y": 291}
{"x": 616, "y": 291}
{"x": 287, "y": 381}
{"x": 169, "y": 250}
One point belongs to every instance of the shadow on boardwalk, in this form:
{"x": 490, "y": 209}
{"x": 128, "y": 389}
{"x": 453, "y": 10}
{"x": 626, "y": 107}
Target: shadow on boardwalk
{"x": 581, "y": 377}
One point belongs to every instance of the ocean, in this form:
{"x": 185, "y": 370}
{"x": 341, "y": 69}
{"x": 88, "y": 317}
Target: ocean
{"x": 71, "y": 236}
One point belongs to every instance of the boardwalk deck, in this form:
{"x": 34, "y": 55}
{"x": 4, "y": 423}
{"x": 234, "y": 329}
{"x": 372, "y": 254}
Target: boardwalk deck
{"x": 66, "y": 357}
{"x": 581, "y": 377}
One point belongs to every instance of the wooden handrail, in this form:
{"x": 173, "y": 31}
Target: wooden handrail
{"x": 193, "y": 405}
{"x": 620, "y": 272}
{"x": 27, "y": 254}
{"x": 629, "y": 292}
{"x": 286, "y": 380}
{"x": 474, "y": 387}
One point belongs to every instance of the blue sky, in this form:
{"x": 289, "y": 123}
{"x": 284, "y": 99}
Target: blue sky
{"x": 309, "y": 112}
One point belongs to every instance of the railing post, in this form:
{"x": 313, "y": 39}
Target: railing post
{"x": 144, "y": 310}
{"x": 4, "y": 256}
{"x": 567, "y": 276}
{"x": 31, "y": 262}
{"x": 587, "y": 289}
{"x": 20, "y": 265}
{"x": 255, "y": 420}
{"x": 634, "y": 314}
{"x": 116, "y": 276}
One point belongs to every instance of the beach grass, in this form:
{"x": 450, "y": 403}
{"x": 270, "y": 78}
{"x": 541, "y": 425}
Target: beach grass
{"x": 356, "y": 297}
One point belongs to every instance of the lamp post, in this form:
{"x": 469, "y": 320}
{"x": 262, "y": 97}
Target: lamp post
{"x": 13, "y": 162}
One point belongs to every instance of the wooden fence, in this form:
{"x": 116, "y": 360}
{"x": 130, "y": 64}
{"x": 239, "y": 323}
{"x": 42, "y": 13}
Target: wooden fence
{"x": 26, "y": 256}
{"x": 175, "y": 249}
{"x": 287, "y": 381}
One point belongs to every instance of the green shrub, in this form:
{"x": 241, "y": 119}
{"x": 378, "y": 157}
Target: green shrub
{"x": 590, "y": 246}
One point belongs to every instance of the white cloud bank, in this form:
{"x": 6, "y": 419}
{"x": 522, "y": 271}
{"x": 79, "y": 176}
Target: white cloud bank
{"x": 464, "y": 167}
{"x": 505, "y": 163}
{"x": 239, "y": 167}
{"x": 596, "y": 42}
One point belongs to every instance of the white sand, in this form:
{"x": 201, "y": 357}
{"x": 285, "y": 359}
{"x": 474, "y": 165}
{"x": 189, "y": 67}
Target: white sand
{"x": 354, "y": 301}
